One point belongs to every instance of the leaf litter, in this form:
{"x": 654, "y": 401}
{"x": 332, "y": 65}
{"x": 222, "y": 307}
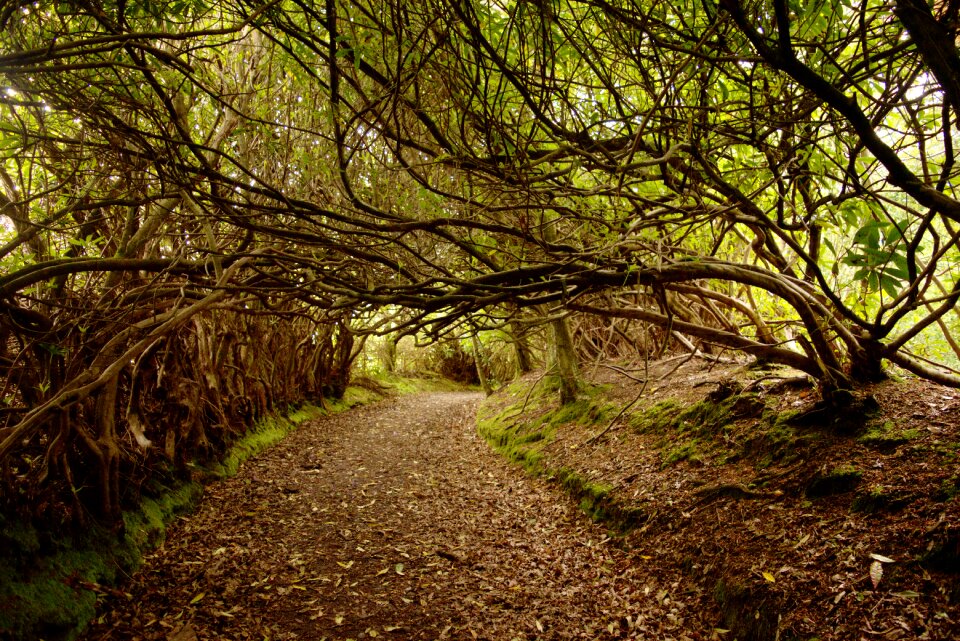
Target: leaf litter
{"x": 396, "y": 521}
{"x": 306, "y": 542}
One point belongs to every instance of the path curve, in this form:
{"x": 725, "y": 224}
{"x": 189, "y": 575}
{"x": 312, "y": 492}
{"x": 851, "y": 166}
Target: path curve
{"x": 393, "y": 520}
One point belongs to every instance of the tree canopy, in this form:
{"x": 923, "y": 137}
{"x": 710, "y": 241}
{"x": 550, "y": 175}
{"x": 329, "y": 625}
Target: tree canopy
{"x": 237, "y": 187}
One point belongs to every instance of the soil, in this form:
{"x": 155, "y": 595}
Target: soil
{"x": 396, "y": 520}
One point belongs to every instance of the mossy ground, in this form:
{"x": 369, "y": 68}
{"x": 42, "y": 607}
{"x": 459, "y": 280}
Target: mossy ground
{"x": 50, "y": 582}
{"x": 718, "y": 464}
{"x": 399, "y": 384}
{"x": 521, "y": 429}
{"x": 713, "y": 429}
{"x": 885, "y": 435}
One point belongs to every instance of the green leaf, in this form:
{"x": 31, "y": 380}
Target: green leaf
{"x": 724, "y": 91}
{"x": 891, "y": 286}
{"x": 868, "y": 235}
{"x": 897, "y": 273}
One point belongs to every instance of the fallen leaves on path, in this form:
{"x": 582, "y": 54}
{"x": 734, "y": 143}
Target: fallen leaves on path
{"x": 395, "y": 521}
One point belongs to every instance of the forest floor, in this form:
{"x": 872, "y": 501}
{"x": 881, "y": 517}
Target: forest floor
{"x": 393, "y": 520}
{"x": 397, "y": 520}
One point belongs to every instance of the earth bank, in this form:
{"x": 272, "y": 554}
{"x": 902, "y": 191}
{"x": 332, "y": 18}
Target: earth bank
{"x": 785, "y": 520}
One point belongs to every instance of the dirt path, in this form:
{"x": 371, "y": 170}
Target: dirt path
{"x": 393, "y": 521}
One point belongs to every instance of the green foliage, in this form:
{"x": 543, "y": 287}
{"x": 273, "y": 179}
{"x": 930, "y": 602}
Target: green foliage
{"x": 879, "y": 255}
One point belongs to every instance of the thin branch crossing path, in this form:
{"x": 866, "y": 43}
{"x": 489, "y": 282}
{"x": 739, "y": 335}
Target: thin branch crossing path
{"x": 397, "y": 521}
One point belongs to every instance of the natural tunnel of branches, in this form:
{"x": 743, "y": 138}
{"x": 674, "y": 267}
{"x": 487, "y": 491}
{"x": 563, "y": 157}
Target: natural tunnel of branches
{"x": 208, "y": 204}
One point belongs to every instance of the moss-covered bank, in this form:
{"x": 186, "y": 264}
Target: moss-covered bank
{"x": 727, "y": 478}
{"x": 521, "y": 430}
{"x": 50, "y": 581}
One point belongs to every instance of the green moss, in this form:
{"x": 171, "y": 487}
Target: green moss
{"x": 398, "y": 384}
{"x": 693, "y": 431}
{"x": 584, "y": 411}
{"x": 49, "y": 593}
{"x": 266, "y": 433}
{"x": 145, "y": 527}
{"x": 45, "y": 607}
{"x": 948, "y": 489}
{"x": 47, "y": 596}
{"x": 520, "y": 432}
{"x": 706, "y": 417}
{"x": 685, "y": 451}
{"x": 778, "y": 438}
{"x": 658, "y": 418}
{"x": 596, "y": 501}
{"x": 352, "y": 397}
{"x": 886, "y": 435}
{"x": 518, "y": 441}
{"x": 782, "y": 421}
{"x": 18, "y": 539}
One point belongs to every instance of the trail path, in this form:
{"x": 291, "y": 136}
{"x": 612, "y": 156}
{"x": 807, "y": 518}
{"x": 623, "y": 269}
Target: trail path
{"x": 392, "y": 521}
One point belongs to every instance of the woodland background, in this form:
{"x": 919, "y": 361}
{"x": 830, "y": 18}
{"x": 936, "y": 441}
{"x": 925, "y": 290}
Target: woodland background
{"x": 213, "y": 208}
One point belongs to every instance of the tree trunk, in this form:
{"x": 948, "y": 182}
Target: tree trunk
{"x": 478, "y": 362}
{"x": 107, "y": 452}
{"x": 522, "y": 348}
{"x": 389, "y": 355}
{"x": 565, "y": 360}
{"x": 565, "y": 357}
